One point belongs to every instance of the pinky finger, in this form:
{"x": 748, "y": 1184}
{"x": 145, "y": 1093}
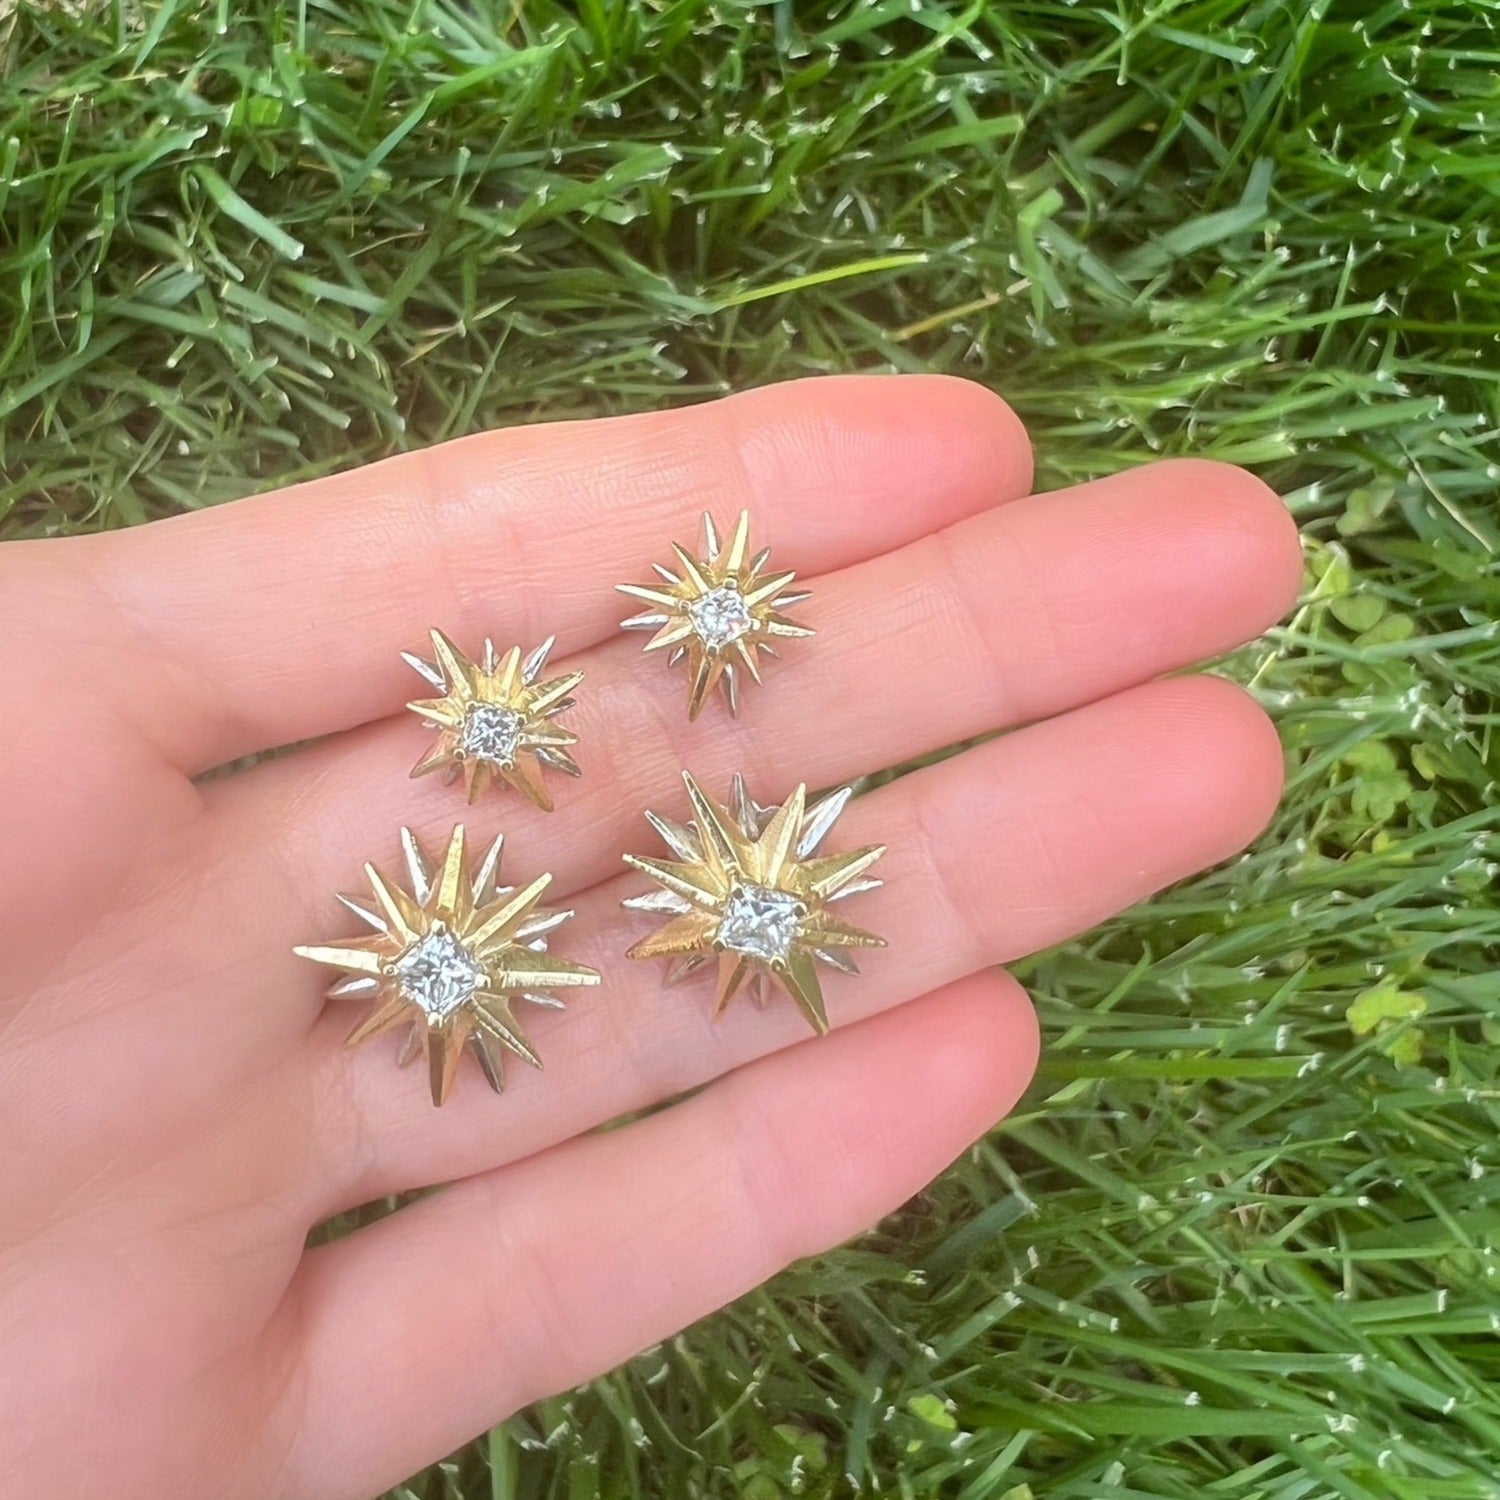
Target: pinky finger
{"x": 430, "y": 1326}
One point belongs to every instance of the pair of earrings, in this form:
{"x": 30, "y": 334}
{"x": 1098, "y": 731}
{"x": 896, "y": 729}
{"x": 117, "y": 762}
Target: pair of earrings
{"x": 453, "y": 950}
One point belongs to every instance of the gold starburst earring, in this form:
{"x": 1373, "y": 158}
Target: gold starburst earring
{"x": 448, "y": 958}
{"x": 748, "y": 888}
{"x": 494, "y": 719}
{"x": 718, "y": 612}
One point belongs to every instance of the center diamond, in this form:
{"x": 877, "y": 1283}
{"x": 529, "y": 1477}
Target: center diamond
{"x": 721, "y": 616}
{"x": 438, "y": 973}
{"x": 491, "y": 732}
{"x": 759, "y": 922}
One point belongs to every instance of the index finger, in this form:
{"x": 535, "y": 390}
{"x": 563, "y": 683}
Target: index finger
{"x": 280, "y": 618}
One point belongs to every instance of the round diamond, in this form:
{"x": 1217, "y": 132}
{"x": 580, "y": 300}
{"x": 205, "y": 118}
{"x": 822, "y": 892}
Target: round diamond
{"x": 760, "y": 922}
{"x": 438, "y": 973}
{"x": 491, "y": 732}
{"x": 721, "y": 616}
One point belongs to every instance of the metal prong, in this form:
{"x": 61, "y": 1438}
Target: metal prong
{"x": 484, "y": 874}
{"x": 489, "y": 1060}
{"x": 660, "y": 901}
{"x": 531, "y": 668}
{"x": 711, "y": 541}
{"x": 856, "y": 887}
{"x": 416, "y": 867}
{"x": 411, "y": 1045}
{"x": 538, "y": 925}
{"x": 491, "y": 658}
{"x": 648, "y": 620}
{"x": 676, "y": 836}
{"x": 743, "y": 806}
{"x": 353, "y": 987}
{"x": 426, "y": 670}
{"x": 666, "y": 575}
{"x": 820, "y": 817}
{"x": 840, "y": 961}
{"x": 559, "y": 760}
{"x": 363, "y": 912}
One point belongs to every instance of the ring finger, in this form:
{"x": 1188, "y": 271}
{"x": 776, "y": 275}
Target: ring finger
{"x": 1003, "y": 850}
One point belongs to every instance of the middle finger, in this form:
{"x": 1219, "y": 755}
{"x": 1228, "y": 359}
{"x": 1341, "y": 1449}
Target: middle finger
{"x": 1022, "y": 612}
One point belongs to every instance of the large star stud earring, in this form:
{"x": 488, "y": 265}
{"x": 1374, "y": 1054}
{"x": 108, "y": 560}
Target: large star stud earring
{"x": 718, "y": 612}
{"x": 448, "y": 959}
{"x": 494, "y": 719}
{"x": 746, "y": 888}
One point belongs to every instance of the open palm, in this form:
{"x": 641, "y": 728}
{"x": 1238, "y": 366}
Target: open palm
{"x": 176, "y": 1107}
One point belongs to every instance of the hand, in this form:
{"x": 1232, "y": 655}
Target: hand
{"x": 178, "y": 1110}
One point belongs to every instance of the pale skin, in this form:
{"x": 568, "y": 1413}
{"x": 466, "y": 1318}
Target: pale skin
{"x": 176, "y": 1106}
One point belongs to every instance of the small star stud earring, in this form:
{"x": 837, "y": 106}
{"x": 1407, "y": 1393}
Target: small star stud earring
{"x": 748, "y": 888}
{"x": 494, "y": 719}
{"x": 717, "y": 612}
{"x": 448, "y": 958}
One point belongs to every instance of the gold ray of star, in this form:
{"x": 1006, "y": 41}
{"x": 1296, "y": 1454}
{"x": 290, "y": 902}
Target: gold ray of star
{"x": 718, "y": 612}
{"x": 447, "y": 960}
{"x": 494, "y": 720}
{"x": 747, "y": 889}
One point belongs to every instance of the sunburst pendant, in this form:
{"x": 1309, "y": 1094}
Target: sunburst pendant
{"x": 717, "y": 612}
{"x": 449, "y": 958}
{"x": 748, "y": 889}
{"x": 494, "y": 720}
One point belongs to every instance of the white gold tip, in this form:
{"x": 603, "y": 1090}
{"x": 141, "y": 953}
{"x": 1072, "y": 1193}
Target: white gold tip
{"x": 427, "y": 670}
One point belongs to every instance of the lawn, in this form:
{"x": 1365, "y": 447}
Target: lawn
{"x": 1241, "y": 1239}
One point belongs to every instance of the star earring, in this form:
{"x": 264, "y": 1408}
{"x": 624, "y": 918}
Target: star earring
{"x": 747, "y": 888}
{"x": 448, "y": 959}
{"x": 494, "y": 720}
{"x": 717, "y": 613}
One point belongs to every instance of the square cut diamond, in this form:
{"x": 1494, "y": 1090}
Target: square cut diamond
{"x": 721, "y": 616}
{"x": 438, "y": 973}
{"x": 759, "y": 922}
{"x": 491, "y": 732}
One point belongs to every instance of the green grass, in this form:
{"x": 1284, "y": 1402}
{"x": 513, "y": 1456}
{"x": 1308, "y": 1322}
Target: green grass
{"x": 1241, "y": 1240}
